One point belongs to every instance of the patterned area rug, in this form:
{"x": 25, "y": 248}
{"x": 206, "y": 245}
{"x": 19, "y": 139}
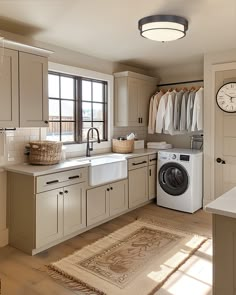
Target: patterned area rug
{"x": 136, "y": 259}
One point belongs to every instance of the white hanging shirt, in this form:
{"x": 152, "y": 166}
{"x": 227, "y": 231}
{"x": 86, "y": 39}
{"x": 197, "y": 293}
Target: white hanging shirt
{"x": 190, "y": 105}
{"x": 177, "y": 109}
{"x": 154, "y": 102}
{"x": 183, "y": 112}
{"x": 160, "y": 117}
{"x": 150, "y": 131}
{"x": 197, "y": 120}
{"x": 169, "y": 117}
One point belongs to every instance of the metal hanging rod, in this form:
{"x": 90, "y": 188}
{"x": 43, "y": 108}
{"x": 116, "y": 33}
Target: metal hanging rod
{"x": 177, "y": 83}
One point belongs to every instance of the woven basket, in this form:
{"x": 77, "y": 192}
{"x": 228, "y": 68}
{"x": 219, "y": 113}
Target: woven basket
{"x": 45, "y": 152}
{"x": 122, "y": 146}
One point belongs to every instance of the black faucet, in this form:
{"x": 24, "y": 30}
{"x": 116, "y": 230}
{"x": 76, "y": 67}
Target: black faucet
{"x": 90, "y": 146}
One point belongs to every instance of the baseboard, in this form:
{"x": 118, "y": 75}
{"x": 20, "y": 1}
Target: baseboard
{"x": 3, "y": 237}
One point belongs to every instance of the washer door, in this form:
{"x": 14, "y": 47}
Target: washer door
{"x": 173, "y": 179}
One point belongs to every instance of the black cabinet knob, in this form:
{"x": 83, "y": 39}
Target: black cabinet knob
{"x": 66, "y": 192}
{"x": 46, "y": 122}
{"x": 108, "y": 189}
{"x": 111, "y": 188}
{"x": 60, "y": 193}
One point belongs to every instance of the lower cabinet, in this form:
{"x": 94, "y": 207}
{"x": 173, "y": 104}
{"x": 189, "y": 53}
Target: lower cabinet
{"x": 74, "y": 208}
{"x": 106, "y": 201}
{"x": 49, "y": 217}
{"x": 46, "y": 209}
{"x": 138, "y": 186}
{"x": 152, "y": 176}
{"x": 59, "y": 212}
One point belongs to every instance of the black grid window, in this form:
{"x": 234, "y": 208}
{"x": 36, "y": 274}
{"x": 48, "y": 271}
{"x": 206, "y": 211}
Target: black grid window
{"x": 75, "y": 105}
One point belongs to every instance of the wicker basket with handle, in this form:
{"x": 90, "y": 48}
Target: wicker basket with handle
{"x": 45, "y": 152}
{"x": 122, "y": 146}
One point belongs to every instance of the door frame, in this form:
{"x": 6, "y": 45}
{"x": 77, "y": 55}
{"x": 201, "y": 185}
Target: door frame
{"x": 209, "y": 131}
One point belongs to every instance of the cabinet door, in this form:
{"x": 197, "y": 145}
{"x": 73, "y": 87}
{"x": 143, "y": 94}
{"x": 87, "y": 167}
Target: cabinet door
{"x": 145, "y": 91}
{"x": 152, "y": 182}
{"x": 9, "y": 111}
{"x": 49, "y": 217}
{"x": 118, "y": 197}
{"x": 138, "y": 186}
{"x": 97, "y": 204}
{"x": 74, "y": 208}
{"x": 133, "y": 96}
{"x": 33, "y": 79}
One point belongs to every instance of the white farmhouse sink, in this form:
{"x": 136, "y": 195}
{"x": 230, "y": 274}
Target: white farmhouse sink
{"x": 107, "y": 168}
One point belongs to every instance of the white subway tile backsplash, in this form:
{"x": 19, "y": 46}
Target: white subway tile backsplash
{"x": 15, "y": 145}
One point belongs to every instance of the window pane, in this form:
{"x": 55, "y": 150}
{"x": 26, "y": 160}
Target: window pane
{"x": 67, "y": 110}
{"x": 67, "y": 131}
{"x": 67, "y": 88}
{"x": 85, "y": 128}
{"x": 97, "y": 91}
{"x": 54, "y": 113}
{"x": 99, "y": 126}
{"x": 53, "y": 86}
{"x": 86, "y": 90}
{"x": 97, "y": 111}
{"x": 53, "y": 131}
{"x": 86, "y": 111}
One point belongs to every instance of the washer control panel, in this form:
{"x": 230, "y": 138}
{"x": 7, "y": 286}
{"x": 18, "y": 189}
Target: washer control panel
{"x": 172, "y": 156}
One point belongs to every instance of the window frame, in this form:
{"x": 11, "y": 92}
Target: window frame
{"x": 78, "y": 116}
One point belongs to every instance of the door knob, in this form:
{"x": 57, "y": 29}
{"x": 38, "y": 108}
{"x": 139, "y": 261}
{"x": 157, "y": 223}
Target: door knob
{"x": 219, "y": 160}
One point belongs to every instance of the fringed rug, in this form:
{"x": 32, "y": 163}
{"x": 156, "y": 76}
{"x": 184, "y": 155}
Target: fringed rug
{"x": 136, "y": 259}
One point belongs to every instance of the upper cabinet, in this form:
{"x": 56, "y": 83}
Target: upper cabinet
{"x": 33, "y": 86}
{"x": 9, "y": 112}
{"x": 132, "y": 95}
{"x": 23, "y": 86}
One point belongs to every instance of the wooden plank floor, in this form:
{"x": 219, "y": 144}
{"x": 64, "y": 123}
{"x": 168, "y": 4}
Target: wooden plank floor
{"x": 21, "y": 274}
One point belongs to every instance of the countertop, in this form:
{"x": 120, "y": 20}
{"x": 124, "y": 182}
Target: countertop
{"x": 224, "y": 205}
{"x": 72, "y": 163}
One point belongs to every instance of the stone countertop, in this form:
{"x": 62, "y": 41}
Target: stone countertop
{"x": 72, "y": 163}
{"x": 224, "y": 205}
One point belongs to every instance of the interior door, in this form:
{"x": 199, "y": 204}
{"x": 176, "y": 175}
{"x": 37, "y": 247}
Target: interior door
{"x": 225, "y": 140}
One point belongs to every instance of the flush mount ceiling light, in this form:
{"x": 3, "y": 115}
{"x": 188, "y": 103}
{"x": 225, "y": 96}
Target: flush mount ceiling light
{"x": 163, "y": 28}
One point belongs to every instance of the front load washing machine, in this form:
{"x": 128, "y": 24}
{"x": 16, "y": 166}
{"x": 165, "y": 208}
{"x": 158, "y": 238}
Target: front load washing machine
{"x": 179, "y": 179}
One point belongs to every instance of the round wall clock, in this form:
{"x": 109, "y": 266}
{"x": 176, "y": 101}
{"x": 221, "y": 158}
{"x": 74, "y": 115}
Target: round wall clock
{"x": 226, "y": 97}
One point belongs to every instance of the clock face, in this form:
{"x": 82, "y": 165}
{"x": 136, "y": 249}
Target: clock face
{"x": 226, "y": 97}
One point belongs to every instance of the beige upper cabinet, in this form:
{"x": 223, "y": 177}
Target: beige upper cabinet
{"x": 132, "y": 95}
{"x": 9, "y": 115}
{"x": 33, "y": 86}
{"x": 23, "y": 86}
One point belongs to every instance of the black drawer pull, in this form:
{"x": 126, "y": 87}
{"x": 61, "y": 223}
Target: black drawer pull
{"x": 73, "y": 177}
{"x": 139, "y": 163}
{"x": 155, "y": 159}
{"x": 51, "y": 182}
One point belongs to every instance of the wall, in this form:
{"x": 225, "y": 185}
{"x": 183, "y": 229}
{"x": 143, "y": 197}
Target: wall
{"x": 210, "y": 59}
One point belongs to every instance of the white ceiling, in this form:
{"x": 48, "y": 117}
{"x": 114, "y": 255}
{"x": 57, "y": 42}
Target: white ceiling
{"x": 108, "y": 28}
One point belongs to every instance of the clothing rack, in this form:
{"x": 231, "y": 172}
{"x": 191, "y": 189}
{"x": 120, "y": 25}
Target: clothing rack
{"x": 177, "y": 83}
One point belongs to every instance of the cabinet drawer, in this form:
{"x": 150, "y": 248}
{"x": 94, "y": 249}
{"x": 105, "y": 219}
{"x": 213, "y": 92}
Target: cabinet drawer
{"x": 138, "y": 162}
{"x": 152, "y": 159}
{"x": 56, "y": 180}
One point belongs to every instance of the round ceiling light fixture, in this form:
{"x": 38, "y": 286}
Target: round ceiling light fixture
{"x": 163, "y": 28}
